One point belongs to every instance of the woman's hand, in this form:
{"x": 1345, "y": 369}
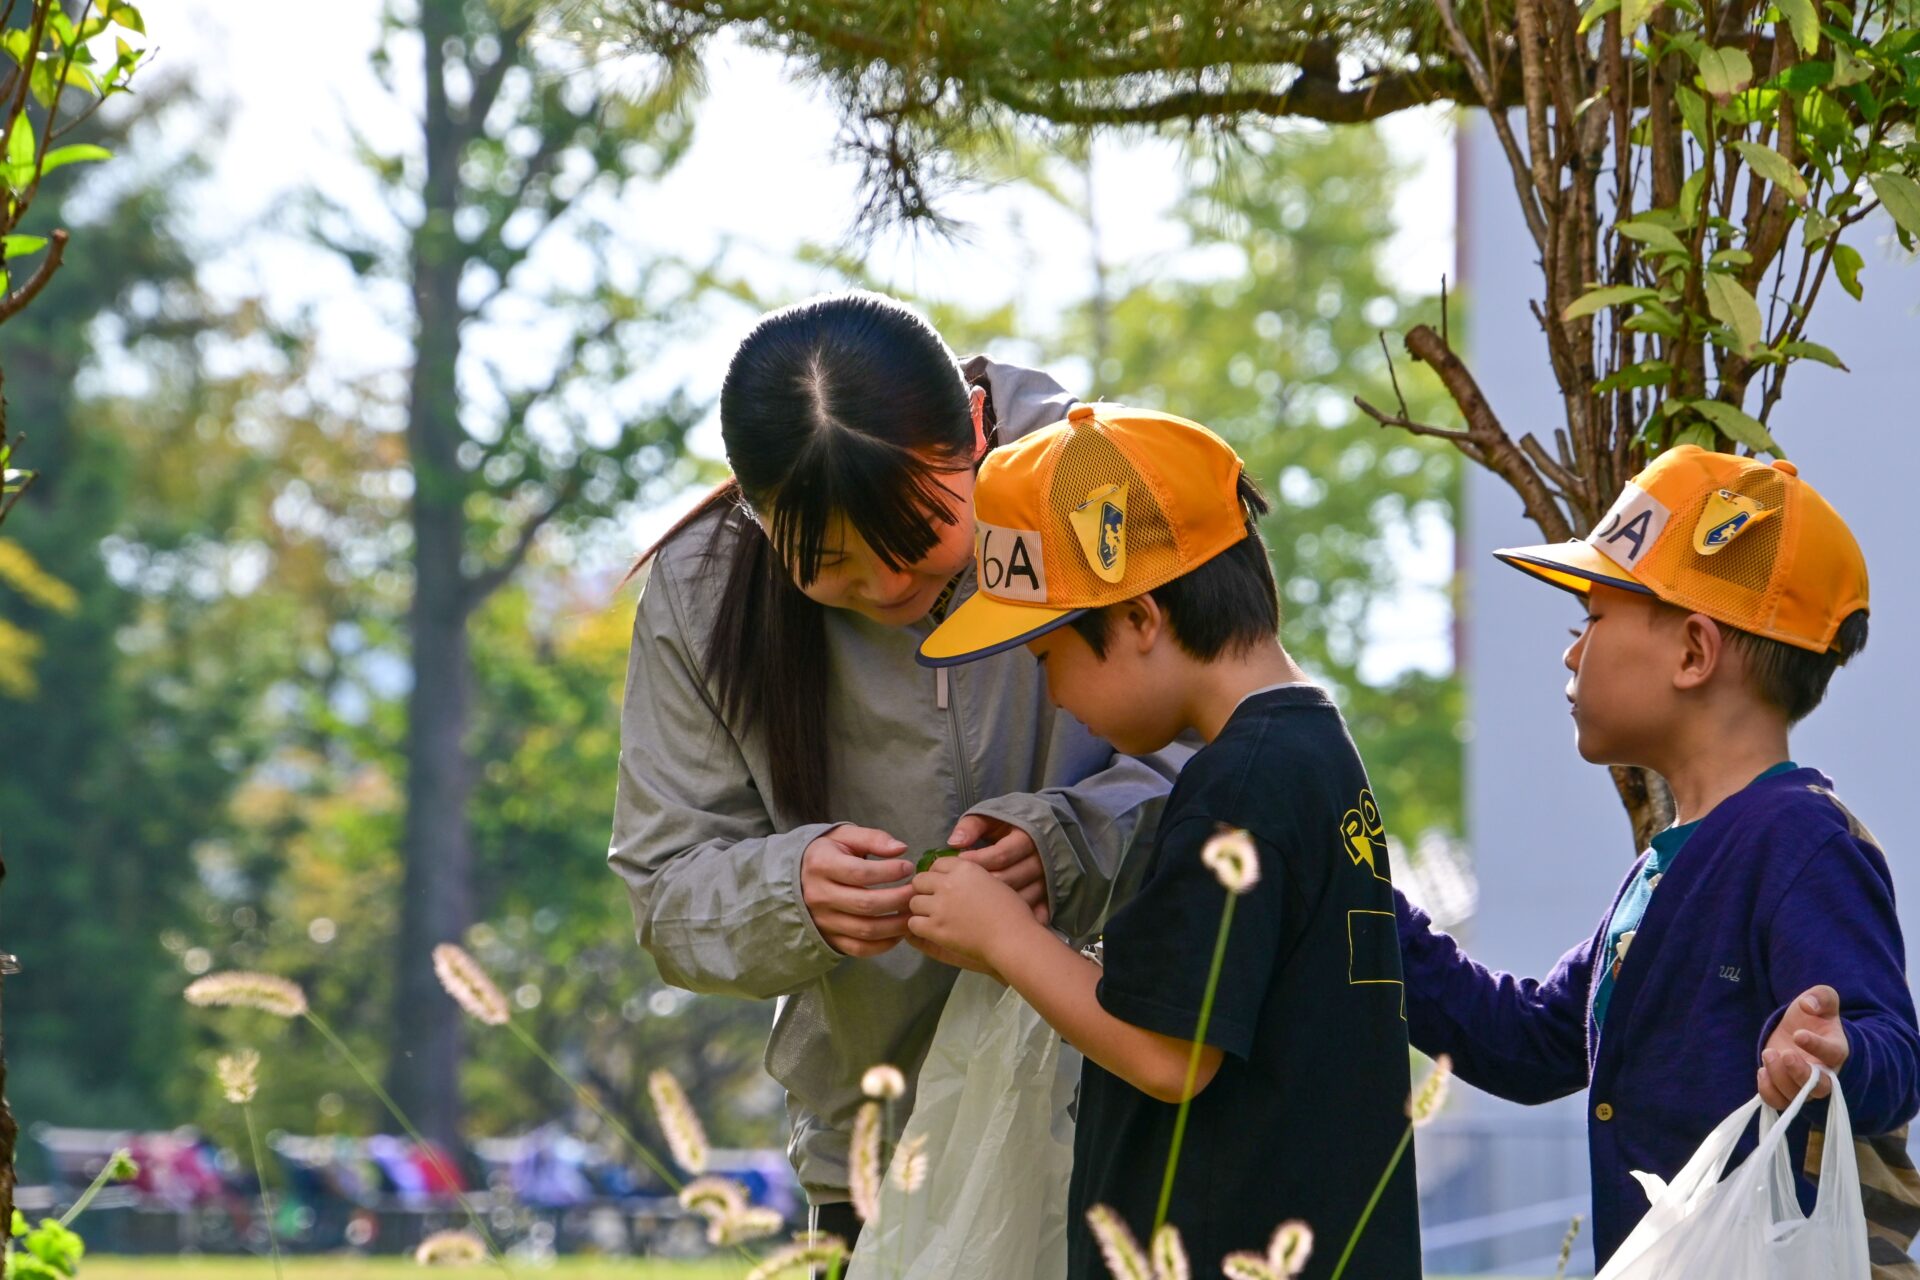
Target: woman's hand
{"x": 840, "y": 875}
{"x": 1009, "y": 853}
{"x": 964, "y": 910}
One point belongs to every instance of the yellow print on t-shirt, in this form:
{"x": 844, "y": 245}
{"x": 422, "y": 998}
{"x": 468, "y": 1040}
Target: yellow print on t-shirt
{"x": 1365, "y": 836}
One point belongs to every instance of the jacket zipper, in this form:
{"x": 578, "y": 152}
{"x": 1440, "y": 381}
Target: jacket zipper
{"x": 959, "y": 744}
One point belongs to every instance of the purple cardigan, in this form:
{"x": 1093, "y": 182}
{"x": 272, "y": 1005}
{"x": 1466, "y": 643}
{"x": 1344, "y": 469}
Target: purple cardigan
{"x": 1779, "y": 888}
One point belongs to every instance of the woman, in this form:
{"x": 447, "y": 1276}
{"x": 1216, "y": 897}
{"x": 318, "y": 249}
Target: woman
{"x": 783, "y": 755}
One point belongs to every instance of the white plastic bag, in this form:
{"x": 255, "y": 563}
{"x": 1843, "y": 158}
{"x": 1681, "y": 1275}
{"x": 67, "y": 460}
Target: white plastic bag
{"x": 992, "y": 1102}
{"x": 1749, "y": 1226}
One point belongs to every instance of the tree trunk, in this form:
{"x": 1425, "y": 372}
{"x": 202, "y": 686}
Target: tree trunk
{"x": 437, "y": 904}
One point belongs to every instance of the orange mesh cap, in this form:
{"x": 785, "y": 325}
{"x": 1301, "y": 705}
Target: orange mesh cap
{"x": 1748, "y": 544}
{"x": 1088, "y": 512}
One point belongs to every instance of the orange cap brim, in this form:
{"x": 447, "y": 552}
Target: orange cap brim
{"x": 1572, "y": 566}
{"x": 983, "y": 626}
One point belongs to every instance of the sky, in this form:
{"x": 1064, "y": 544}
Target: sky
{"x": 761, "y": 179}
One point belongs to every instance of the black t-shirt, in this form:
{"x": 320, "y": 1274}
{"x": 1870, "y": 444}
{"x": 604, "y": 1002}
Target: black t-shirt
{"x": 1310, "y": 1099}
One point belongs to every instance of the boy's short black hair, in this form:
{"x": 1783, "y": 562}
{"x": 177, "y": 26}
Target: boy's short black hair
{"x": 1224, "y": 607}
{"x": 1791, "y": 678}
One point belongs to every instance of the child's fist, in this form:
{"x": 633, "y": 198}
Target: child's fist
{"x": 1810, "y": 1033}
{"x": 962, "y": 908}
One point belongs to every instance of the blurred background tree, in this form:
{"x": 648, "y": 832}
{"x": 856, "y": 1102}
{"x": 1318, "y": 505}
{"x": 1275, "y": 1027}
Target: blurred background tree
{"x": 238, "y": 517}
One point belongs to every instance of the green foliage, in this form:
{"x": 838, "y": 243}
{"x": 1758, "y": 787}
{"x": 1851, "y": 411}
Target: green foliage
{"x": 1269, "y": 352}
{"x": 49, "y": 1251}
{"x": 1815, "y": 138}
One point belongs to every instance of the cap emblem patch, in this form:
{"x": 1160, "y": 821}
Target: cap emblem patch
{"x": 1726, "y": 516}
{"x": 1100, "y": 523}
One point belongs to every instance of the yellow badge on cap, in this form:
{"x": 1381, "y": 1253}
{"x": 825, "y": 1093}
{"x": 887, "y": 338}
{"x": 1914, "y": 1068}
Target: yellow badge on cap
{"x": 1726, "y": 516}
{"x": 1101, "y": 524}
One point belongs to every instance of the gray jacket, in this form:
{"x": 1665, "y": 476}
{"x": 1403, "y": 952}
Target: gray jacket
{"x": 713, "y": 867}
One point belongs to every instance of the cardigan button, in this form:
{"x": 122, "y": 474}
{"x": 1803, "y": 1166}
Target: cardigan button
{"x": 1603, "y": 1112}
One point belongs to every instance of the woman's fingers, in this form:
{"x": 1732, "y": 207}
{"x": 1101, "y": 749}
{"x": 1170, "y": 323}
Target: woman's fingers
{"x": 972, "y": 829}
{"x": 863, "y": 928}
{"x": 866, "y": 904}
{"x": 1023, "y": 875}
{"x": 865, "y": 841}
{"x": 1003, "y": 852}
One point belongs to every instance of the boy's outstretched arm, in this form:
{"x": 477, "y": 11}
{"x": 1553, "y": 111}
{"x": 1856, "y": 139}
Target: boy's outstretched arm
{"x": 1523, "y": 1039}
{"x": 1835, "y": 927}
{"x": 961, "y": 909}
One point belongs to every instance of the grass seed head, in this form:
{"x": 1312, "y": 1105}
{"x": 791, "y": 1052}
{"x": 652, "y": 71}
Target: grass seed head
{"x": 469, "y": 985}
{"x": 237, "y": 988}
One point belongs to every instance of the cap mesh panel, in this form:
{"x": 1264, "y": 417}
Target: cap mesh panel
{"x": 1735, "y": 585}
{"x": 1090, "y": 462}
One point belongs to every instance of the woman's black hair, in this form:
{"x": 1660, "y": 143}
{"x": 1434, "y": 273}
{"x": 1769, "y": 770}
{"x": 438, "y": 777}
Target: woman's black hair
{"x": 849, "y": 405}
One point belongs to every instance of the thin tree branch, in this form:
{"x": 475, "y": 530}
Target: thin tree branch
{"x": 483, "y": 584}
{"x": 1500, "y": 454}
{"x": 487, "y": 82}
{"x": 1496, "y": 114}
{"x": 13, "y": 302}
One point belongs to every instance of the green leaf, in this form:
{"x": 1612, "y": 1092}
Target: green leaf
{"x": 1611, "y": 296}
{"x": 1901, "y": 196}
{"x": 1816, "y": 227}
{"x": 1725, "y": 72}
{"x": 1730, "y": 258}
{"x": 1848, "y": 69}
{"x": 19, "y": 246}
{"x": 74, "y": 154}
{"x": 1690, "y": 194}
{"x": 1634, "y": 14}
{"x": 1655, "y": 319}
{"x": 1596, "y": 11}
{"x": 1846, "y": 264}
{"x": 1803, "y": 21}
{"x": 1802, "y": 76}
{"x": 129, "y": 17}
{"x": 1648, "y": 373}
{"x": 1738, "y": 426}
{"x": 1699, "y": 435}
{"x": 926, "y": 860}
{"x": 1753, "y": 106}
{"x": 1734, "y": 307}
{"x": 1814, "y": 351}
{"x": 20, "y": 146}
{"x": 1654, "y": 236}
{"x": 1774, "y": 167}
{"x": 1693, "y": 112}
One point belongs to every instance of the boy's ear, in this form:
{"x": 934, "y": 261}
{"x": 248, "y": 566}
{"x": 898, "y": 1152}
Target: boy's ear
{"x": 1703, "y": 651}
{"x": 978, "y": 404}
{"x": 1144, "y": 620}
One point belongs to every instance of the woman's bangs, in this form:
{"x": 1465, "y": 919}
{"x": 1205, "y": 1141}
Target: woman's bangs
{"x": 895, "y": 498}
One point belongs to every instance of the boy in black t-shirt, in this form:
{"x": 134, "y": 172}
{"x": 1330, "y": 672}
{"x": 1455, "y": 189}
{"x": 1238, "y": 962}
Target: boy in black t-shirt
{"x": 1120, "y": 548}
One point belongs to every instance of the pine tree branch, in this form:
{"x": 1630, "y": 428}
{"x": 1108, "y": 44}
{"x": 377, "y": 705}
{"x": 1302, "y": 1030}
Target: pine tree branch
{"x": 1311, "y": 95}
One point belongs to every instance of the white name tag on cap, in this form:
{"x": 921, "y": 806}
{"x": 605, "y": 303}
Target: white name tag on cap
{"x": 1011, "y": 565}
{"x": 1630, "y": 529}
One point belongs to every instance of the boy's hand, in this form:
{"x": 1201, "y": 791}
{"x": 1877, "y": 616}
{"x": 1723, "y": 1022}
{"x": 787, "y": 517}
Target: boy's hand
{"x": 953, "y": 959}
{"x": 1009, "y": 853}
{"x": 1811, "y": 1032}
{"x": 961, "y": 908}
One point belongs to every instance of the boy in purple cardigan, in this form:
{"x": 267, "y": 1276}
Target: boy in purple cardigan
{"x": 1757, "y": 935}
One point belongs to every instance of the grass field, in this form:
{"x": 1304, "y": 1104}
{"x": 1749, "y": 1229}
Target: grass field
{"x": 108, "y": 1268}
